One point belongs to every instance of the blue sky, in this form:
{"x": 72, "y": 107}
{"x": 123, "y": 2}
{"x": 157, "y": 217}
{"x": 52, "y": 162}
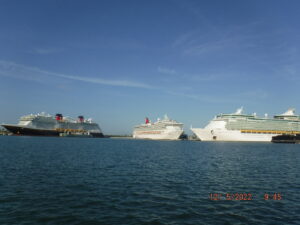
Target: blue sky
{"x": 119, "y": 61}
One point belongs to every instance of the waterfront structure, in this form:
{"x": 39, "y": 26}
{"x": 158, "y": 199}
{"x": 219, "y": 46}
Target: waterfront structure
{"x": 43, "y": 124}
{"x": 4, "y": 131}
{"x": 244, "y": 127}
{"x": 165, "y": 129}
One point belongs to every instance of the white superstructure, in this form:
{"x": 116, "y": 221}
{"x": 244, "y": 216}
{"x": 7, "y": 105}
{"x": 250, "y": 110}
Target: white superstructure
{"x": 242, "y": 127}
{"x": 165, "y": 129}
{"x": 46, "y": 121}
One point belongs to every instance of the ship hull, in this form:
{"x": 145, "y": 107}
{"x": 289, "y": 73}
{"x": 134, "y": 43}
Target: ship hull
{"x": 158, "y": 135}
{"x": 25, "y": 131}
{"x": 230, "y": 135}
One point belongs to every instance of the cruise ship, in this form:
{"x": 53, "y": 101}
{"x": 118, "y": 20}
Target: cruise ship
{"x": 43, "y": 124}
{"x": 244, "y": 127}
{"x": 165, "y": 129}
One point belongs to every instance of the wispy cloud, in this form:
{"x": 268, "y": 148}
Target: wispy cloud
{"x": 183, "y": 39}
{"x": 200, "y": 77}
{"x": 46, "y": 51}
{"x": 225, "y": 44}
{"x": 204, "y": 98}
{"x": 288, "y": 72}
{"x": 15, "y": 70}
{"x": 112, "y": 43}
{"x": 209, "y": 47}
{"x": 204, "y": 77}
{"x": 223, "y": 39}
{"x": 165, "y": 70}
{"x": 181, "y": 94}
{"x": 123, "y": 83}
{"x": 255, "y": 94}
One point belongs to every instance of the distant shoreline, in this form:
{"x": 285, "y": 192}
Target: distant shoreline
{"x": 115, "y": 136}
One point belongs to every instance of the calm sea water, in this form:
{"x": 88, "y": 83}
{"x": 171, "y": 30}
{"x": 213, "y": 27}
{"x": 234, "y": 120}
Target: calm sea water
{"x": 121, "y": 181}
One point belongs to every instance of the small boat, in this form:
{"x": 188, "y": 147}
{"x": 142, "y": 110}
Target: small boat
{"x": 287, "y": 138}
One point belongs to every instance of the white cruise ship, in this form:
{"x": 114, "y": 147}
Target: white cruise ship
{"x": 43, "y": 124}
{"x": 165, "y": 129}
{"x": 242, "y": 127}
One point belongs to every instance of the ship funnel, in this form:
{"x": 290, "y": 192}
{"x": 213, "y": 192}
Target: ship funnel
{"x": 58, "y": 117}
{"x": 146, "y": 120}
{"x": 81, "y": 119}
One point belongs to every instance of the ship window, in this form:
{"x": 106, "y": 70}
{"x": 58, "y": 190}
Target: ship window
{"x": 215, "y": 137}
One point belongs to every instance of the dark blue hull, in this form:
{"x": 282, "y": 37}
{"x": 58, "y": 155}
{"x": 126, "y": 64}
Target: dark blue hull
{"x": 292, "y": 139}
{"x": 18, "y": 130}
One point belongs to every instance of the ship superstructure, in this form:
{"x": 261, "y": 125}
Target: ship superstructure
{"x": 245, "y": 127}
{"x": 43, "y": 124}
{"x": 165, "y": 129}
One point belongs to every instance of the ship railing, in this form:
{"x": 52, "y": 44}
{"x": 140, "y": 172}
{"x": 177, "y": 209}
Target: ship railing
{"x": 62, "y": 130}
{"x": 270, "y": 132}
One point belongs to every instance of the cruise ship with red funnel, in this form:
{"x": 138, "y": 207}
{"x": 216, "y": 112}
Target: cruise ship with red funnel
{"x": 43, "y": 124}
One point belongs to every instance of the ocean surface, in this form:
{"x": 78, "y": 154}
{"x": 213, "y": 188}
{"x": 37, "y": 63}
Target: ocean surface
{"x": 121, "y": 181}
